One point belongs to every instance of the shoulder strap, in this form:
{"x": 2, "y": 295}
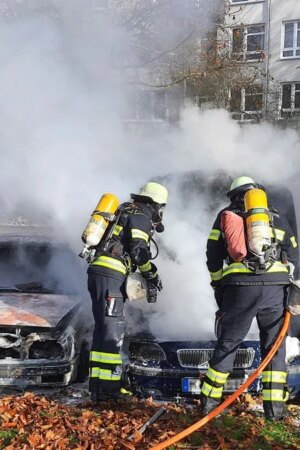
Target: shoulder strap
{"x": 239, "y": 212}
{"x": 124, "y": 207}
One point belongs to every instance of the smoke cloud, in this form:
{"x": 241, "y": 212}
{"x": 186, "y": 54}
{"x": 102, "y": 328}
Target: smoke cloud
{"x": 64, "y": 142}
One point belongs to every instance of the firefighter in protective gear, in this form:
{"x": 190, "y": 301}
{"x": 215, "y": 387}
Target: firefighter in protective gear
{"x": 242, "y": 294}
{"x": 126, "y": 251}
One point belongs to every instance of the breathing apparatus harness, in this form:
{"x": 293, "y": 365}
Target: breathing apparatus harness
{"x": 259, "y": 264}
{"x": 108, "y": 246}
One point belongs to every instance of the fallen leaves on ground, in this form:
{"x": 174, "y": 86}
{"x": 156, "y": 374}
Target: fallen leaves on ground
{"x": 31, "y": 422}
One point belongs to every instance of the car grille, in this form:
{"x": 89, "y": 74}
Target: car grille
{"x": 198, "y": 358}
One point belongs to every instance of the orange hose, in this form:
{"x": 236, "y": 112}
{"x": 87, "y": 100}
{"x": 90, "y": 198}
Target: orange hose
{"x": 229, "y": 400}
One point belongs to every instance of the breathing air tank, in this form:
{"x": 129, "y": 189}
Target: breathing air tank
{"x": 258, "y": 227}
{"x": 100, "y": 218}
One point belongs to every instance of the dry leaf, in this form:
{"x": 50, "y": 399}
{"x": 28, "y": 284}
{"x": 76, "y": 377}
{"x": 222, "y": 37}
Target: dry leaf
{"x": 137, "y": 437}
{"x": 8, "y": 425}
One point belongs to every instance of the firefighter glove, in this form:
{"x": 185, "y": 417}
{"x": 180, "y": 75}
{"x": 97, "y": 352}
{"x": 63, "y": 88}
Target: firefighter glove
{"x": 156, "y": 281}
{"x": 153, "y": 277}
{"x": 151, "y": 292}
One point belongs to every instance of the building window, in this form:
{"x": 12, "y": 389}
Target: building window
{"x": 291, "y": 39}
{"x": 290, "y": 99}
{"x": 246, "y": 104}
{"x": 147, "y": 106}
{"x": 248, "y": 43}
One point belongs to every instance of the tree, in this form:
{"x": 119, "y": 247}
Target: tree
{"x": 174, "y": 45}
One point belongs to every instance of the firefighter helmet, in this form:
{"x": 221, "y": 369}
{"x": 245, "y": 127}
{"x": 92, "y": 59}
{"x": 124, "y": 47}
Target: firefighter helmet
{"x": 153, "y": 193}
{"x": 240, "y": 185}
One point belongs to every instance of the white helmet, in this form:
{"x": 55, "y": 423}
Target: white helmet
{"x": 240, "y": 185}
{"x": 152, "y": 192}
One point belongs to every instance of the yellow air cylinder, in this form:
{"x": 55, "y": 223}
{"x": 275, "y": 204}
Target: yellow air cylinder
{"x": 258, "y": 227}
{"x": 97, "y": 225}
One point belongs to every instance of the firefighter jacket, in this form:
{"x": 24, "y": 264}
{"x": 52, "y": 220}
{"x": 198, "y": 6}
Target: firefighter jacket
{"x": 128, "y": 247}
{"x": 224, "y": 271}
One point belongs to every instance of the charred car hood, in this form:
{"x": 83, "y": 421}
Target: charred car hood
{"x": 34, "y": 310}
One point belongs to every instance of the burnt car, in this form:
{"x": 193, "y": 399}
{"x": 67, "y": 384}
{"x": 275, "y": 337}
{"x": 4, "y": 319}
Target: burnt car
{"x": 167, "y": 367}
{"x": 42, "y": 325}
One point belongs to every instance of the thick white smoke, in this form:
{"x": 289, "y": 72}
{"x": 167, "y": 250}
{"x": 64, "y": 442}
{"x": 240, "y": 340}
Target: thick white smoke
{"x": 209, "y": 141}
{"x": 64, "y": 143}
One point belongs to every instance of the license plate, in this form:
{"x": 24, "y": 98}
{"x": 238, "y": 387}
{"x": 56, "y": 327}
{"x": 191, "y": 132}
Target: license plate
{"x": 191, "y": 385}
{"x": 233, "y": 384}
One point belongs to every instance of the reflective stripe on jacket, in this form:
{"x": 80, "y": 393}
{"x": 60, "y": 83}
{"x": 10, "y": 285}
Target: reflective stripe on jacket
{"x": 110, "y": 263}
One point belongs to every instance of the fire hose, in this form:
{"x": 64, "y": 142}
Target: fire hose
{"x": 183, "y": 434}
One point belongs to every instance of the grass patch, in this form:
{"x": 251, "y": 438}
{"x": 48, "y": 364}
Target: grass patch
{"x": 261, "y": 444}
{"x": 281, "y": 434}
{"x": 6, "y": 436}
{"x": 186, "y": 419}
{"x": 24, "y": 438}
{"x": 73, "y": 439}
{"x": 233, "y": 427}
{"x": 197, "y": 439}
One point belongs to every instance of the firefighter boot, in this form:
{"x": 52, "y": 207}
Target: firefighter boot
{"x": 93, "y": 388}
{"x": 123, "y": 394}
{"x": 94, "y": 396}
{"x": 97, "y": 395}
{"x": 208, "y": 404}
{"x": 274, "y": 410}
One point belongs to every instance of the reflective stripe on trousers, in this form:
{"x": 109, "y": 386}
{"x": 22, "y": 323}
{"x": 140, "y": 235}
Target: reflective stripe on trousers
{"x": 274, "y": 376}
{"x": 106, "y": 358}
{"x": 275, "y": 395}
{"x": 213, "y": 384}
{"x": 105, "y": 374}
{"x": 274, "y": 386}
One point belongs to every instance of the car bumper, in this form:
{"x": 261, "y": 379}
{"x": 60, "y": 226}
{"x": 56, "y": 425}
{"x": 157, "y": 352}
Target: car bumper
{"x": 171, "y": 383}
{"x": 37, "y": 373}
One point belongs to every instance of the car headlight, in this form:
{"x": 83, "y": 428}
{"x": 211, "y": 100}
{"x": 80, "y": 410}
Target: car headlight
{"x": 67, "y": 341}
{"x": 47, "y": 349}
{"x": 146, "y": 351}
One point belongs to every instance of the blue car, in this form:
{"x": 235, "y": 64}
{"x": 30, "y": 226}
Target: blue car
{"x": 173, "y": 370}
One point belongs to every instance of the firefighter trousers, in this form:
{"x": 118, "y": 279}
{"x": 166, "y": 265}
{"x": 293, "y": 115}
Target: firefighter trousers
{"x": 108, "y": 296}
{"x": 241, "y": 304}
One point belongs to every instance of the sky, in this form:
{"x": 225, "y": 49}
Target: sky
{"x": 64, "y": 143}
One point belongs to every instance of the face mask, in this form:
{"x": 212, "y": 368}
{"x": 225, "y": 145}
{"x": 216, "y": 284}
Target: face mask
{"x": 157, "y": 218}
{"x": 158, "y": 214}
{"x": 159, "y": 228}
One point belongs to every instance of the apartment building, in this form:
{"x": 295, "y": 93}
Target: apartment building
{"x": 261, "y": 36}
{"x": 265, "y": 34}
